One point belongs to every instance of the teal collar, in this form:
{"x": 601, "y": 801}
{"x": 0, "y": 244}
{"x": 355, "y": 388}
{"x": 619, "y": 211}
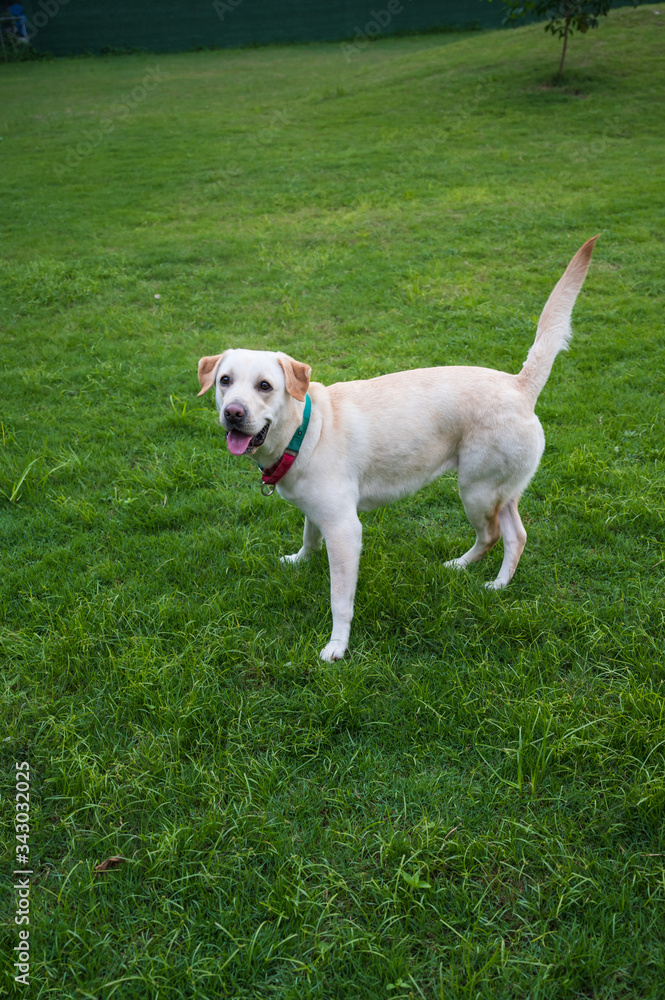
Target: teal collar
{"x": 272, "y": 475}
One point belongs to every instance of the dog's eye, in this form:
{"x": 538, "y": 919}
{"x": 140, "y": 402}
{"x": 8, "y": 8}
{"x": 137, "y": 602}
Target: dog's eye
{"x": 265, "y": 386}
{"x": 224, "y": 380}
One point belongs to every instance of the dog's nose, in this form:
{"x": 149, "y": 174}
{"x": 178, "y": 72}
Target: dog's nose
{"x": 235, "y": 412}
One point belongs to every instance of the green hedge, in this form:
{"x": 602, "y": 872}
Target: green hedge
{"x": 70, "y": 26}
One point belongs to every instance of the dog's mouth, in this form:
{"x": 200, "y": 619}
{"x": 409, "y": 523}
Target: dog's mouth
{"x": 245, "y": 444}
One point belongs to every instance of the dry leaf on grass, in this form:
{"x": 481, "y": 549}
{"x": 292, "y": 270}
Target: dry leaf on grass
{"x": 104, "y": 866}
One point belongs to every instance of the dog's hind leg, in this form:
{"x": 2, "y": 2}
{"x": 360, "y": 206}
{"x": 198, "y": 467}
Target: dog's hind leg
{"x": 483, "y": 517}
{"x": 514, "y": 540}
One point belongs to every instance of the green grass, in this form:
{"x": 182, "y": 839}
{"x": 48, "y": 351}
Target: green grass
{"x": 471, "y": 805}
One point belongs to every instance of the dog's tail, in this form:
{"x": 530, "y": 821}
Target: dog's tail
{"x": 554, "y": 332}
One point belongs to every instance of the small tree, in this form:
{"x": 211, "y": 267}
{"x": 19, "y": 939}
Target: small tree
{"x": 563, "y": 16}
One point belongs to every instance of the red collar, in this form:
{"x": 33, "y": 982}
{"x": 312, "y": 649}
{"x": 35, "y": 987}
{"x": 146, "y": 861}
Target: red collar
{"x": 272, "y": 475}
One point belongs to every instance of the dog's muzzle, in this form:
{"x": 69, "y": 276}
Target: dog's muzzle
{"x": 245, "y": 444}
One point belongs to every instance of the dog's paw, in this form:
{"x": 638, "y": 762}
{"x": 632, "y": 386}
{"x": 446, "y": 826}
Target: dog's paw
{"x": 295, "y": 558}
{"x": 335, "y": 650}
{"x": 460, "y": 563}
{"x": 496, "y": 584}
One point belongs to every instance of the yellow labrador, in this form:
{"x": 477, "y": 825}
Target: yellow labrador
{"x": 330, "y": 451}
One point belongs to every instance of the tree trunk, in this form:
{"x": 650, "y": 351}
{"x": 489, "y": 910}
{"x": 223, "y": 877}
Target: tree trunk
{"x": 565, "y": 43}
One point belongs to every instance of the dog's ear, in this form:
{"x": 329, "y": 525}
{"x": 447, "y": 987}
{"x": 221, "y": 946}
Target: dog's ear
{"x": 297, "y": 376}
{"x": 207, "y": 370}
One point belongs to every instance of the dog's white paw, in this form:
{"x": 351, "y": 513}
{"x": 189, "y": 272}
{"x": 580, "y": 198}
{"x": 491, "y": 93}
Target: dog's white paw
{"x": 335, "y": 650}
{"x": 295, "y": 558}
{"x": 496, "y": 584}
{"x": 456, "y": 563}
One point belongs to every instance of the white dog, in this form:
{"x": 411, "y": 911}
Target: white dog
{"x": 353, "y": 446}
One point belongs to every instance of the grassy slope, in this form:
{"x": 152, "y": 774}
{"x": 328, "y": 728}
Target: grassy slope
{"x": 472, "y": 804}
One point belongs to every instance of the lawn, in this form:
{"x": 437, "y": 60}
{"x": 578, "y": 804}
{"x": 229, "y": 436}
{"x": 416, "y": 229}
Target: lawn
{"x": 472, "y": 803}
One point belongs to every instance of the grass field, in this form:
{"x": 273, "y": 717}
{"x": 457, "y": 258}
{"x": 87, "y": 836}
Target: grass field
{"x": 471, "y": 805}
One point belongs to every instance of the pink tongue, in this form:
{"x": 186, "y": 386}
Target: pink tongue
{"x": 237, "y": 442}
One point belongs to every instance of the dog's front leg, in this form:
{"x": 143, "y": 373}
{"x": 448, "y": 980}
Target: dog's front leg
{"x": 343, "y": 543}
{"x": 311, "y": 540}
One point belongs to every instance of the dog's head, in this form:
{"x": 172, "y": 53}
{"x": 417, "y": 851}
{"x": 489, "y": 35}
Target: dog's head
{"x": 254, "y": 392}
